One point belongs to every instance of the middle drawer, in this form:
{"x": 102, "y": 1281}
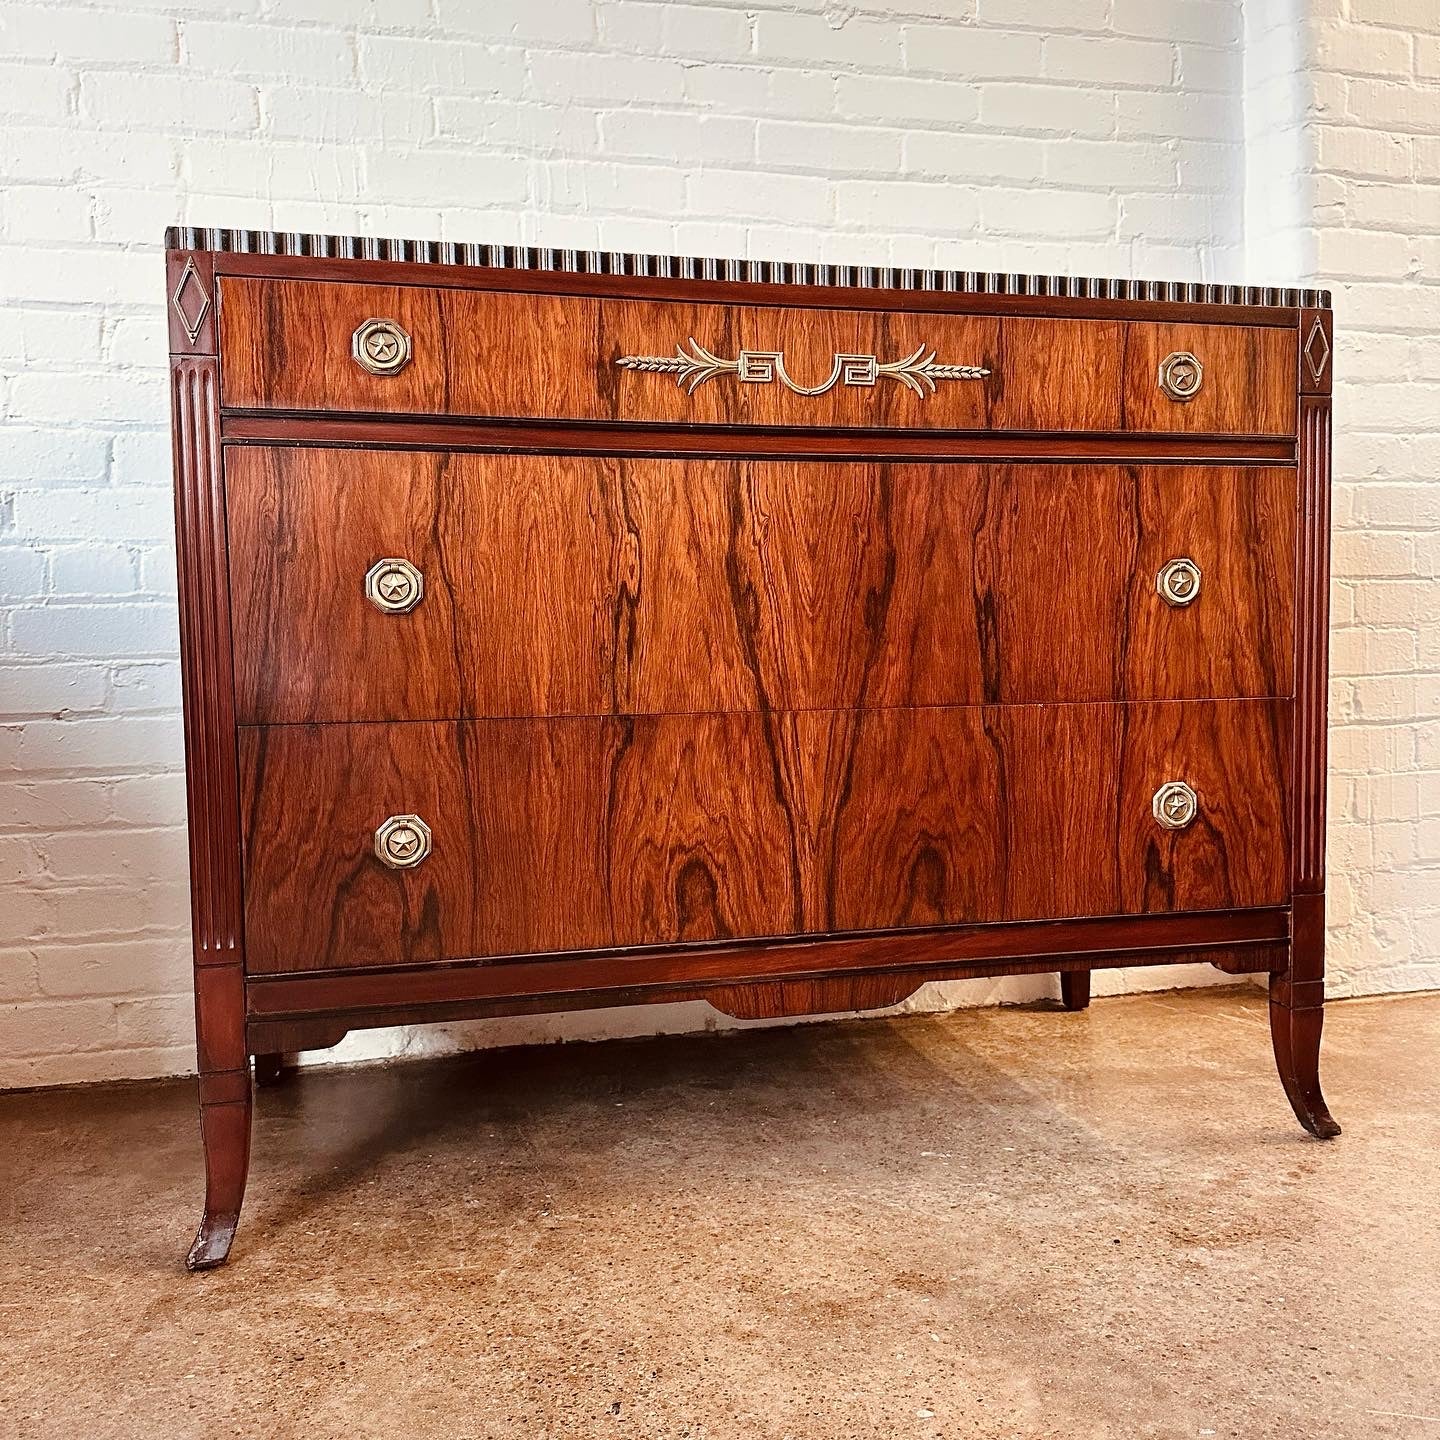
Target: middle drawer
{"x": 374, "y": 585}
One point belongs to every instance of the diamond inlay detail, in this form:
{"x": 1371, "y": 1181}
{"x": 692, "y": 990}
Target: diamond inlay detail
{"x": 191, "y": 301}
{"x": 1317, "y": 350}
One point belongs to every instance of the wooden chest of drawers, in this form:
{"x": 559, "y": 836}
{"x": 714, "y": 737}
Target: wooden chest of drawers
{"x": 568, "y": 629}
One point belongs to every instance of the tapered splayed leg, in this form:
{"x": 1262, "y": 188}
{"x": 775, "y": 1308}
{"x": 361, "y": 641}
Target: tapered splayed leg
{"x": 1295, "y": 1032}
{"x": 225, "y": 1132}
{"x": 1297, "y": 1015}
{"x": 1075, "y": 989}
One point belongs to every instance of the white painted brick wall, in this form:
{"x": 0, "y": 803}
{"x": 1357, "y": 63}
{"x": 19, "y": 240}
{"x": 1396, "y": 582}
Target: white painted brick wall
{"x": 1371, "y": 91}
{"x": 1098, "y": 136}
{"x": 1343, "y": 162}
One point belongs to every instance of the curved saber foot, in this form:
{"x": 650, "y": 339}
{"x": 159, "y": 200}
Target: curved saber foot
{"x": 212, "y": 1241}
{"x": 1295, "y": 1034}
{"x": 225, "y": 1130}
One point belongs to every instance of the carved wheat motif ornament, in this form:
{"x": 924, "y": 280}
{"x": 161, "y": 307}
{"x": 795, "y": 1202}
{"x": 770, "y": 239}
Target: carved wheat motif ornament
{"x": 918, "y": 371}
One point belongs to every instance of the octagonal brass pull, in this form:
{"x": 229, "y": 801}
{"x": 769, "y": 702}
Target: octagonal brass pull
{"x": 380, "y": 346}
{"x": 402, "y": 841}
{"x": 1181, "y": 375}
{"x": 1175, "y": 805}
{"x": 1179, "y": 582}
{"x": 394, "y": 585}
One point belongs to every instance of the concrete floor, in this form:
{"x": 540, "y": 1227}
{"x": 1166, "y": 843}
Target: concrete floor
{"x": 994, "y": 1223}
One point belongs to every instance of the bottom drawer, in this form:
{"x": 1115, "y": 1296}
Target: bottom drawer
{"x": 593, "y": 832}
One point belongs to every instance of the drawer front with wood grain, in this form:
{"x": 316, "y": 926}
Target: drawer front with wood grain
{"x": 559, "y": 585}
{"x": 389, "y": 844}
{"x": 1210, "y": 379}
{"x": 308, "y": 346}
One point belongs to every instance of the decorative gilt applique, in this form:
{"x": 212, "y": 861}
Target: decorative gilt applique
{"x": 918, "y": 371}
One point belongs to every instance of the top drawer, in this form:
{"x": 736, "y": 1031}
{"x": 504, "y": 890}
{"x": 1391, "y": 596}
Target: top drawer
{"x": 381, "y": 349}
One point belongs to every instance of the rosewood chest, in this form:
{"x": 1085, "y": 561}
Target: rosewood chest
{"x": 569, "y": 629}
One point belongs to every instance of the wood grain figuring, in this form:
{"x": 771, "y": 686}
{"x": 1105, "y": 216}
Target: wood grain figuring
{"x": 1237, "y": 638}
{"x": 546, "y": 837}
{"x": 908, "y": 819}
{"x": 664, "y": 829}
{"x": 1058, "y": 375}
{"x": 833, "y": 995}
{"x": 1237, "y": 760}
{"x": 1023, "y": 812}
{"x": 1250, "y": 379}
{"x": 698, "y": 837}
{"x": 302, "y": 537}
{"x": 286, "y": 345}
{"x": 591, "y": 585}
